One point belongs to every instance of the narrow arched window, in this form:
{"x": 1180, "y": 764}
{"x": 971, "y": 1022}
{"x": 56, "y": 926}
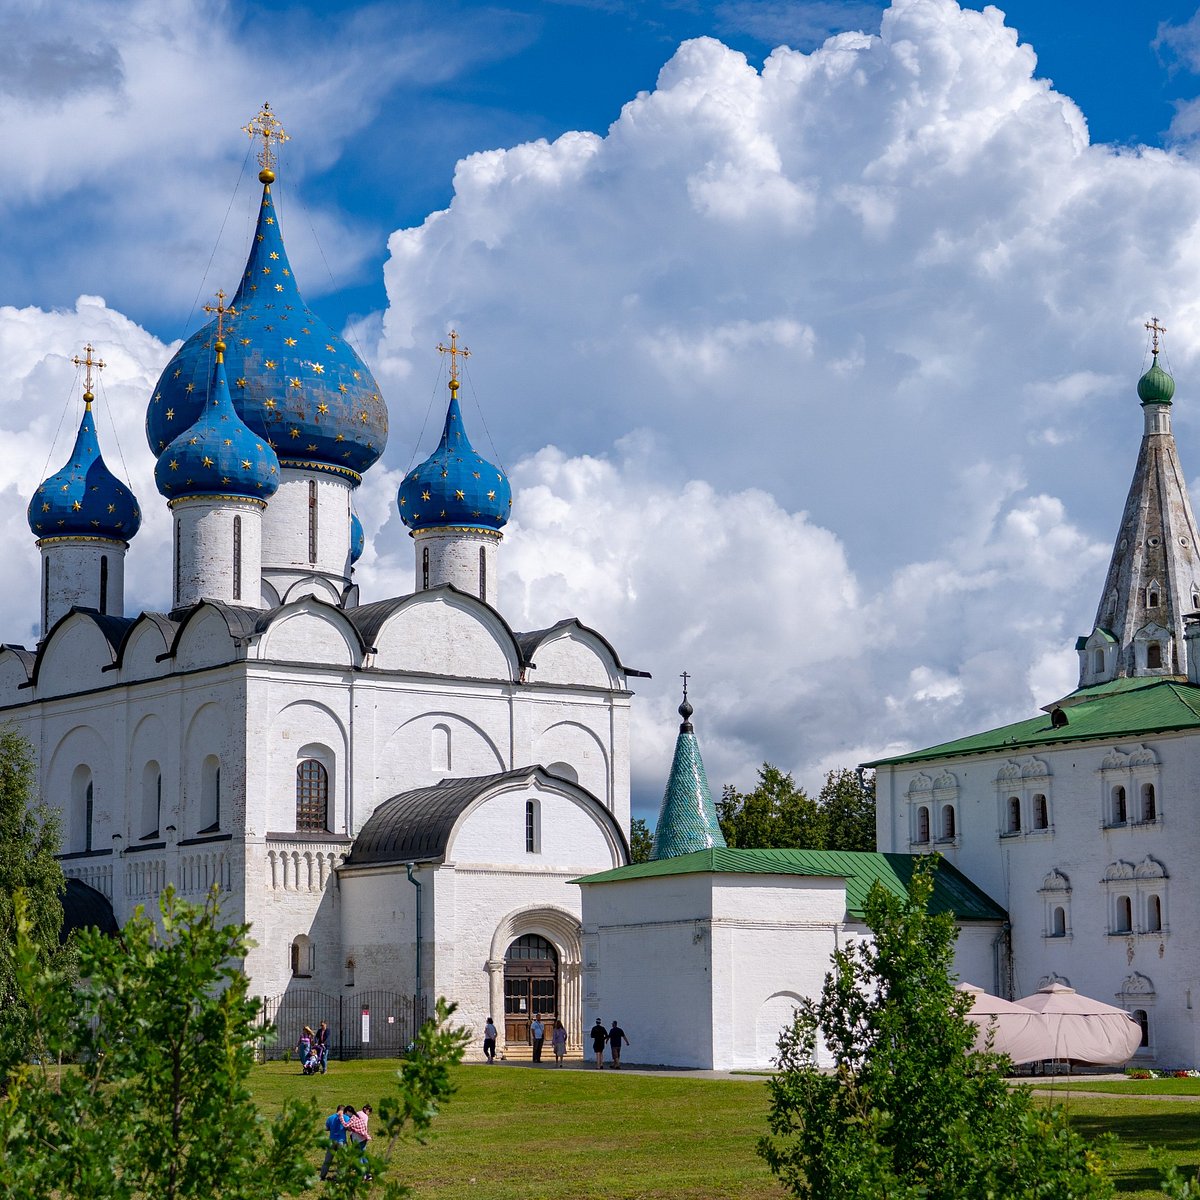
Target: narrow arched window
{"x": 1152, "y": 598}
{"x": 482, "y": 574}
{"x": 208, "y": 819}
{"x": 922, "y": 824}
{"x": 1154, "y": 658}
{"x": 237, "y": 557}
{"x": 89, "y": 798}
{"x": 948, "y": 823}
{"x": 103, "y": 584}
{"x": 1041, "y": 812}
{"x": 533, "y": 832}
{"x": 424, "y": 568}
{"x": 1097, "y": 661}
{"x": 1124, "y": 915}
{"x": 45, "y": 595}
{"x": 1120, "y": 808}
{"x": 312, "y": 520}
{"x": 312, "y": 796}
{"x": 439, "y": 748}
{"x": 151, "y": 800}
{"x": 1154, "y": 921}
{"x": 302, "y": 957}
{"x": 1149, "y": 803}
{"x": 1139, "y": 1015}
{"x": 1014, "y": 814}
{"x": 1059, "y": 926}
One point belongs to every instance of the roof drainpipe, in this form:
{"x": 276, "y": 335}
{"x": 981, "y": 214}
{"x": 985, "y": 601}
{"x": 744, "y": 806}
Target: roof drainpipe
{"x": 416, "y": 883}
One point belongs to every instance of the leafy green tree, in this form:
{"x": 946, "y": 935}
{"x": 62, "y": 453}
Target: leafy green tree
{"x": 776, "y": 813}
{"x": 641, "y": 841}
{"x": 909, "y": 1111}
{"x": 847, "y": 802}
{"x": 29, "y": 841}
{"x": 161, "y": 1029}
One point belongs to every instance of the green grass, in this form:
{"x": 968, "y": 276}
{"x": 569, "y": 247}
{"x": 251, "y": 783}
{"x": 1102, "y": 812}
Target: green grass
{"x": 1136, "y": 1087}
{"x": 547, "y": 1134}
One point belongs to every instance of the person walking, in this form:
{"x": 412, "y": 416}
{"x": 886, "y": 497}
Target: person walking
{"x": 599, "y": 1037}
{"x": 558, "y": 1039}
{"x": 304, "y": 1045}
{"x": 538, "y": 1032}
{"x": 489, "y": 1042}
{"x": 322, "y": 1044}
{"x": 616, "y": 1035}
{"x": 336, "y": 1124}
{"x": 359, "y": 1134}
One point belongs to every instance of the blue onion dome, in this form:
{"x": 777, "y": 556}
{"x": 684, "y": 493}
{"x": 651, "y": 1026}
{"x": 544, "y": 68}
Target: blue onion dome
{"x": 294, "y": 381}
{"x": 85, "y": 499}
{"x": 1156, "y": 386}
{"x": 455, "y": 486}
{"x": 358, "y": 539}
{"x": 220, "y": 455}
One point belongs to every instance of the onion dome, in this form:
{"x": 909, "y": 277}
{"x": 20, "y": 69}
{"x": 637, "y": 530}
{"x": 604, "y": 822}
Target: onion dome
{"x": 294, "y": 381}
{"x": 455, "y": 486}
{"x": 1156, "y": 386}
{"x": 687, "y": 820}
{"x": 85, "y": 499}
{"x": 219, "y": 455}
{"x": 358, "y": 539}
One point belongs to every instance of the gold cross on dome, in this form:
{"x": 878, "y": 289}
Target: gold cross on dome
{"x": 88, "y": 362}
{"x": 222, "y": 312}
{"x": 685, "y": 677}
{"x": 455, "y": 354}
{"x": 1155, "y": 329}
{"x": 266, "y": 126}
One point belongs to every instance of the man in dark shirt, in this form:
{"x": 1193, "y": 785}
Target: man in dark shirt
{"x": 616, "y": 1035}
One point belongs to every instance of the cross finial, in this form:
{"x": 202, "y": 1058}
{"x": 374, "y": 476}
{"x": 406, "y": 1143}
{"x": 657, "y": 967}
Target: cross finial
{"x": 455, "y": 354}
{"x": 685, "y": 709}
{"x": 1155, "y": 329}
{"x": 265, "y": 125}
{"x": 222, "y": 312}
{"x": 87, "y": 362}
{"x": 684, "y": 676}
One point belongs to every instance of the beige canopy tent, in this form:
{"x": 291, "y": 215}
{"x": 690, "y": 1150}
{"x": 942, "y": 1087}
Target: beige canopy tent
{"x": 1023, "y": 1035}
{"x": 1083, "y": 1029}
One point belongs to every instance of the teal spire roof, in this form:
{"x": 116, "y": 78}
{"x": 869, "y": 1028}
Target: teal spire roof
{"x": 687, "y": 820}
{"x": 84, "y": 498}
{"x": 1156, "y": 386}
{"x": 293, "y": 380}
{"x": 219, "y": 455}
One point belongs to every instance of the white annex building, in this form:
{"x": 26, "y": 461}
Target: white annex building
{"x": 395, "y": 792}
{"x": 1081, "y": 822}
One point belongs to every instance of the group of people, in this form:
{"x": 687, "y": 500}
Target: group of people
{"x": 614, "y": 1038}
{"x": 346, "y": 1124}
{"x": 313, "y": 1049}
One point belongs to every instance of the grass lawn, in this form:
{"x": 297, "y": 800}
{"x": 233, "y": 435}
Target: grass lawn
{"x": 1136, "y": 1087}
{"x": 515, "y": 1132}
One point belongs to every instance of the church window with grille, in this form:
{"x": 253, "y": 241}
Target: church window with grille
{"x": 425, "y": 568}
{"x": 1120, "y": 809}
{"x": 1154, "y": 656}
{"x": 1123, "y": 915}
{"x": 312, "y": 796}
{"x": 922, "y": 832}
{"x": 533, "y": 827}
{"x": 482, "y": 574}
{"x": 948, "y": 828}
{"x": 1149, "y": 803}
{"x": 103, "y": 584}
{"x": 1041, "y": 812}
{"x": 312, "y": 520}
{"x": 237, "y": 558}
{"x": 1014, "y": 815}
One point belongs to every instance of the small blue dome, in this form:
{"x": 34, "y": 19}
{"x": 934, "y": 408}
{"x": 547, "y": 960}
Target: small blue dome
{"x": 358, "y": 539}
{"x": 85, "y": 499}
{"x": 219, "y": 455}
{"x": 455, "y": 486}
{"x": 294, "y": 381}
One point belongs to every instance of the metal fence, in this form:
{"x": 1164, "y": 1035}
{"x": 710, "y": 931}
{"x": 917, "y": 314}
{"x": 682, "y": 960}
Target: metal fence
{"x": 366, "y": 1024}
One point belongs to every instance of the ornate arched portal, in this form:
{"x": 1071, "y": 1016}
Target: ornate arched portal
{"x": 564, "y": 934}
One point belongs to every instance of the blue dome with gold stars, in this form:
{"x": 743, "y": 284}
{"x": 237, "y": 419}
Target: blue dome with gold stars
{"x": 293, "y": 380}
{"x": 85, "y": 499}
{"x": 358, "y": 539}
{"x": 219, "y": 455}
{"x": 455, "y": 486}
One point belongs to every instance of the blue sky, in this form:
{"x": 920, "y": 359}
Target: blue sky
{"x": 812, "y": 361}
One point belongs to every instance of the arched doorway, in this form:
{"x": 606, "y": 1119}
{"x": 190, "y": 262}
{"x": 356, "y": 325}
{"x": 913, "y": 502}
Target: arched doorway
{"x": 530, "y": 986}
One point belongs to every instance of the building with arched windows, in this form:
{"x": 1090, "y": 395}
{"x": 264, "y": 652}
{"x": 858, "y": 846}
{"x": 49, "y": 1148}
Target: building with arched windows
{"x": 395, "y": 792}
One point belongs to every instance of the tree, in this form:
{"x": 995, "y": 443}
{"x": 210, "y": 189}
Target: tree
{"x": 847, "y": 802}
{"x": 776, "y": 813}
{"x": 162, "y": 1031}
{"x": 641, "y": 841}
{"x": 909, "y": 1110}
{"x": 29, "y": 842}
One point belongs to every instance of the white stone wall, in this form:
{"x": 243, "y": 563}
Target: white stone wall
{"x": 71, "y": 574}
{"x": 1081, "y": 845}
{"x": 454, "y": 557}
{"x": 205, "y": 548}
{"x": 285, "y": 536}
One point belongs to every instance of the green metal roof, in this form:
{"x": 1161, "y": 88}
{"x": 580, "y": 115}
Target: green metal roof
{"x": 953, "y": 892}
{"x": 1121, "y": 709}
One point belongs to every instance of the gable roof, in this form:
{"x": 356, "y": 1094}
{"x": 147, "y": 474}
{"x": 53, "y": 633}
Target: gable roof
{"x": 1103, "y": 713}
{"x": 953, "y": 892}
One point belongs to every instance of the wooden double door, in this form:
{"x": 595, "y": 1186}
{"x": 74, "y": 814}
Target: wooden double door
{"x": 530, "y": 988}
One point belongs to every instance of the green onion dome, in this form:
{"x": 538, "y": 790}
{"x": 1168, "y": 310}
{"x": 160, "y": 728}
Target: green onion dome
{"x": 84, "y": 499}
{"x": 293, "y": 380}
{"x": 1156, "y": 386}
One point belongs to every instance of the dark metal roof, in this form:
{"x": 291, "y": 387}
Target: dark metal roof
{"x": 416, "y": 826}
{"x": 86, "y": 908}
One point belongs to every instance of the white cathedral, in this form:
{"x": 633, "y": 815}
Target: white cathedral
{"x": 394, "y": 793}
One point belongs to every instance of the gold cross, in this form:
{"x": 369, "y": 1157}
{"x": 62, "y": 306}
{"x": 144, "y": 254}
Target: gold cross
{"x": 1155, "y": 329}
{"x": 222, "y": 312}
{"x": 455, "y": 354}
{"x": 88, "y": 362}
{"x": 265, "y": 126}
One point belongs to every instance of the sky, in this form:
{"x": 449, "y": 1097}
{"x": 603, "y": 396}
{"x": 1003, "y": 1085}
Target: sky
{"x": 808, "y": 333}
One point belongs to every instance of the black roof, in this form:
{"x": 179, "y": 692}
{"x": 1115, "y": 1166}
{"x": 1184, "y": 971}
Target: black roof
{"x": 86, "y": 908}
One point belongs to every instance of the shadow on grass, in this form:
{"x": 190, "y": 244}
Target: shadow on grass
{"x": 1144, "y": 1134}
